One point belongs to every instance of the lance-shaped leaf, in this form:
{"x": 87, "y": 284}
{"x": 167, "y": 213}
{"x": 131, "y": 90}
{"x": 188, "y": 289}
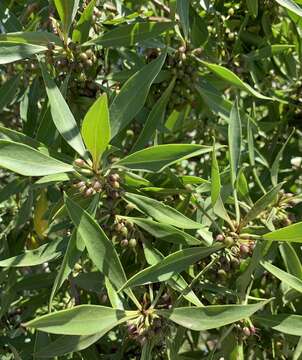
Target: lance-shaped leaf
{"x": 170, "y": 266}
{"x": 210, "y": 317}
{"x": 292, "y": 233}
{"x": 96, "y": 128}
{"x": 154, "y": 120}
{"x": 233, "y": 79}
{"x": 290, "y": 258}
{"x": 183, "y": 7}
{"x": 164, "y": 232}
{"x": 62, "y": 116}
{"x": 67, "y": 11}
{"x": 262, "y": 204}
{"x": 161, "y": 212}
{"x": 81, "y": 32}
{"x": 157, "y": 158}
{"x": 8, "y": 91}
{"x": 99, "y": 247}
{"x": 129, "y": 35}
{"x": 290, "y": 5}
{"x": 66, "y": 344}
{"x": 27, "y": 161}
{"x": 14, "y": 51}
{"x": 283, "y": 276}
{"x": 285, "y": 323}
{"x": 31, "y": 37}
{"x": 42, "y": 254}
{"x": 234, "y": 139}
{"x": 133, "y": 95}
{"x": 81, "y": 320}
{"x": 215, "y": 178}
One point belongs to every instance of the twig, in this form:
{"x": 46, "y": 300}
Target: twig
{"x": 162, "y": 6}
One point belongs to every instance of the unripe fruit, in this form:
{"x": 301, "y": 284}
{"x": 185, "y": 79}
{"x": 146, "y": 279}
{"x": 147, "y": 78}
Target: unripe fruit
{"x": 231, "y": 11}
{"x": 79, "y": 162}
{"x": 80, "y": 184}
{"x": 246, "y": 331}
{"x": 89, "y": 53}
{"x": 88, "y": 63}
{"x": 229, "y": 241}
{"x": 132, "y": 243}
{"x": 115, "y": 185}
{"x": 83, "y": 57}
{"x": 124, "y": 230}
{"x": 124, "y": 243}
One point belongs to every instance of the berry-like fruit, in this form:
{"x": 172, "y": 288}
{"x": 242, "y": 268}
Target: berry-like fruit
{"x": 132, "y": 243}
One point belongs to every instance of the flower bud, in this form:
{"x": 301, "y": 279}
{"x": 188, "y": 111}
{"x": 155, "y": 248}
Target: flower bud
{"x": 97, "y": 186}
{"x": 79, "y": 162}
{"x": 246, "y": 331}
{"x": 115, "y": 185}
{"x": 89, "y": 192}
{"x": 124, "y": 243}
{"x": 244, "y": 249}
{"x": 219, "y": 237}
{"x": 132, "y": 243}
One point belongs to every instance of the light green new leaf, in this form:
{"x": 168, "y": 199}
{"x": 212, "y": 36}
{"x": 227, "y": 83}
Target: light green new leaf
{"x": 14, "y": 51}
{"x": 210, "y": 317}
{"x": 164, "y": 232}
{"x": 161, "y": 212}
{"x": 157, "y": 158}
{"x": 170, "y": 266}
{"x": 99, "y": 247}
{"x": 290, "y": 5}
{"x": 96, "y": 128}
{"x": 131, "y": 34}
{"x": 285, "y": 323}
{"x": 81, "y": 320}
{"x": 183, "y": 7}
{"x": 283, "y": 276}
{"x": 215, "y": 178}
{"x": 81, "y": 31}
{"x": 133, "y": 95}
{"x": 235, "y": 140}
{"x": 292, "y": 233}
{"x": 42, "y": 254}
{"x": 8, "y": 91}
{"x": 233, "y": 79}
{"x": 155, "y": 118}
{"x": 67, "y": 10}
{"x": 262, "y": 204}
{"x": 27, "y": 161}
{"x": 62, "y": 116}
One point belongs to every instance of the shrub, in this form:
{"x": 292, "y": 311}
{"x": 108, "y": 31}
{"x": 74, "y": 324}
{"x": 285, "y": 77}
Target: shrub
{"x": 150, "y": 157}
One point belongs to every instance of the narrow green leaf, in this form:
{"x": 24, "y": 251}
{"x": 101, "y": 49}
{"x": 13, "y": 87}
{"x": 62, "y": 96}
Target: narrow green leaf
{"x": 41, "y": 38}
{"x": 42, "y": 254}
{"x": 66, "y": 344}
{"x": 96, "y": 128}
{"x": 155, "y": 118}
{"x": 14, "y": 51}
{"x": 81, "y": 32}
{"x": 161, "y": 212}
{"x": 183, "y": 7}
{"x": 292, "y": 233}
{"x": 12, "y": 188}
{"x": 283, "y": 276}
{"x": 170, "y": 266}
{"x": 233, "y": 79}
{"x": 157, "y": 158}
{"x": 67, "y": 10}
{"x": 27, "y": 161}
{"x": 276, "y": 163}
{"x": 131, "y": 34}
{"x": 164, "y": 232}
{"x": 210, "y": 317}
{"x": 62, "y": 116}
{"x": 285, "y": 323}
{"x": 291, "y": 259}
{"x": 262, "y": 204}
{"x": 215, "y": 178}
{"x": 235, "y": 140}
{"x": 290, "y": 5}
{"x": 81, "y": 320}
{"x": 133, "y": 95}
{"x": 298, "y": 351}
{"x": 8, "y": 91}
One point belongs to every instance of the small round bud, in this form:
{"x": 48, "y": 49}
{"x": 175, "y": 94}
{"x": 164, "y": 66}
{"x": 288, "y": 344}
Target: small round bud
{"x": 89, "y": 53}
{"x": 222, "y": 273}
{"x": 83, "y": 57}
{"x": 244, "y": 249}
{"x": 130, "y": 133}
{"x": 231, "y": 11}
{"x": 219, "y": 237}
{"x": 79, "y": 162}
{"x": 228, "y": 241}
{"x": 115, "y": 185}
{"x": 252, "y": 329}
{"x": 80, "y": 184}
{"x": 246, "y": 331}
{"x": 231, "y": 36}
{"x": 124, "y": 243}
{"x": 88, "y": 63}
{"x": 114, "y": 177}
{"x": 97, "y": 186}
{"x": 89, "y": 192}
{"x": 182, "y": 49}
{"x": 130, "y": 207}
{"x": 124, "y": 230}
{"x": 132, "y": 243}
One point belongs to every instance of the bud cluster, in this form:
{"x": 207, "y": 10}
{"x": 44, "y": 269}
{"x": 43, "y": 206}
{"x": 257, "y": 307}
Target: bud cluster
{"x": 125, "y": 233}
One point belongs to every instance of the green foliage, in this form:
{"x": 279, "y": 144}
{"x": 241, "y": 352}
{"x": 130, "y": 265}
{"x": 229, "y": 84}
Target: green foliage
{"x": 151, "y": 179}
